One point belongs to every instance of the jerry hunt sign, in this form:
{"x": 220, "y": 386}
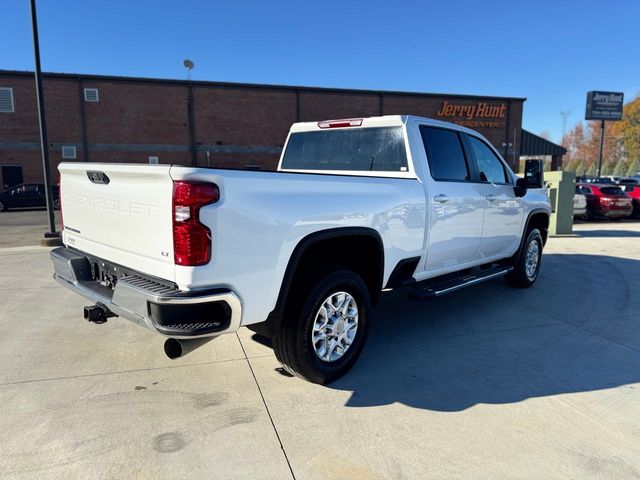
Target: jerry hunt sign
{"x": 604, "y": 106}
{"x": 474, "y": 115}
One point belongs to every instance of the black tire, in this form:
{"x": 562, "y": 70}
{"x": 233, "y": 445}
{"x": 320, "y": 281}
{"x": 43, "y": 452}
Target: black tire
{"x": 519, "y": 276}
{"x": 293, "y": 345}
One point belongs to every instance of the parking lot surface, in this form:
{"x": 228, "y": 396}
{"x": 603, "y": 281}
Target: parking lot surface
{"x": 26, "y": 227}
{"x": 488, "y": 382}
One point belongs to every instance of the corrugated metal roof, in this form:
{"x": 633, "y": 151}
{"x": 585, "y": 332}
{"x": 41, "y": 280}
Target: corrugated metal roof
{"x": 532, "y": 145}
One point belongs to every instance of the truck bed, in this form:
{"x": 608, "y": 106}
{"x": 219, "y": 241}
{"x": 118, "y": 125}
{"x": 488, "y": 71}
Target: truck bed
{"x": 256, "y": 224}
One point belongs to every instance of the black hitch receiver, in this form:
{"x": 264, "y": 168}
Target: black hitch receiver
{"x": 97, "y": 313}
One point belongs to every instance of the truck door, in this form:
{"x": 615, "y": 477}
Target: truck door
{"x": 455, "y": 208}
{"x": 503, "y": 211}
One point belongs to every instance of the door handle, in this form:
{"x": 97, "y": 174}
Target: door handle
{"x": 491, "y": 198}
{"x": 441, "y": 198}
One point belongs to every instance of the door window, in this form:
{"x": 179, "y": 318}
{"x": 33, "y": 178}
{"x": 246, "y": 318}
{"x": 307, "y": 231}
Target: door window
{"x": 445, "y": 154}
{"x": 490, "y": 167}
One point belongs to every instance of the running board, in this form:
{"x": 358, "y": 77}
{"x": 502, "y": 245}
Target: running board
{"x": 434, "y": 288}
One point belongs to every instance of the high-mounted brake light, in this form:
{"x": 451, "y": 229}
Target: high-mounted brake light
{"x": 347, "y": 122}
{"x": 191, "y": 239}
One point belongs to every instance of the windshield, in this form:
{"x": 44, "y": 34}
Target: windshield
{"x": 361, "y": 149}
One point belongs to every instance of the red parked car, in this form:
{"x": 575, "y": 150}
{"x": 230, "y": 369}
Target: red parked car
{"x": 608, "y": 201}
{"x": 633, "y": 190}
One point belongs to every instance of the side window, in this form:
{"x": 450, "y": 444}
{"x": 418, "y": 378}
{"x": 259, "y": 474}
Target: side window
{"x": 27, "y": 190}
{"x": 489, "y": 165}
{"x": 444, "y": 154}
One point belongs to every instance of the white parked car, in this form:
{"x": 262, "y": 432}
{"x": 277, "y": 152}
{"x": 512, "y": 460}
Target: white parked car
{"x": 301, "y": 254}
{"x": 579, "y": 205}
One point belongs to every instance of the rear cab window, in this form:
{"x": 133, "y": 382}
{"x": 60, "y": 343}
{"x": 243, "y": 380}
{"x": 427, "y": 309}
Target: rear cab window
{"x": 370, "y": 149}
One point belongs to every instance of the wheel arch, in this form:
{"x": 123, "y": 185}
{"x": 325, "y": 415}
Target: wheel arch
{"x": 357, "y": 245}
{"x": 537, "y": 218}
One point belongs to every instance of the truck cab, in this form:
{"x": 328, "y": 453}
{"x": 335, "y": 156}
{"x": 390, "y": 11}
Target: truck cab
{"x": 474, "y": 212}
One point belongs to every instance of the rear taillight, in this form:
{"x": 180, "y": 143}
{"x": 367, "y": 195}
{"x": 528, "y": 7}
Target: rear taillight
{"x": 191, "y": 239}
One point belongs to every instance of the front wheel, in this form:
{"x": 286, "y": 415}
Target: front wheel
{"x": 527, "y": 265}
{"x": 321, "y": 338}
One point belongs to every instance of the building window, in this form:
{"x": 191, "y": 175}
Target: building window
{"x": 91, "y": 95}
{"x": 153, "y": 160}
{"x": 69, "y": 152}
{"x": 6, "y": 99}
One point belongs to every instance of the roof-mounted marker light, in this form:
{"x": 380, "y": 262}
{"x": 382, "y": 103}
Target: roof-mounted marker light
{"x": 347, "y": 122}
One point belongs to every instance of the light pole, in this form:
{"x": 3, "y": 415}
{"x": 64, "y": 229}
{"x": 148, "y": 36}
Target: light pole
{"x": 188, "y": 65}
{"x": 600, "y": 147}
{"x": 51, "y": 237}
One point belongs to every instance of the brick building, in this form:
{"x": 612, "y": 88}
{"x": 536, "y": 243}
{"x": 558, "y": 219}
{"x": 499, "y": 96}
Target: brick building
{"x": 120, "y": 119}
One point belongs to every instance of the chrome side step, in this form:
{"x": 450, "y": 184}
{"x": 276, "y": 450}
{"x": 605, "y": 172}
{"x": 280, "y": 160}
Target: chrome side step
{"x": 438, "y": 287}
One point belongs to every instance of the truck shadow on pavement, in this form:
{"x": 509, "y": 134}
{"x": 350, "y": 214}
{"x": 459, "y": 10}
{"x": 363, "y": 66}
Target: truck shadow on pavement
{"x": 607, "y": 233}
{"x": 576, "y": 330}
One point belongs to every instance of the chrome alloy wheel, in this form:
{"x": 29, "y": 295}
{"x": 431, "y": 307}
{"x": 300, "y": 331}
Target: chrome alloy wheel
{"x": 335, "y": 326}
{"x": 532, "y": 259}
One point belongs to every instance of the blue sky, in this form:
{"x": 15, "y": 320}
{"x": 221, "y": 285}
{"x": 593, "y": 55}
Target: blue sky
{"x": 551, "y": 52}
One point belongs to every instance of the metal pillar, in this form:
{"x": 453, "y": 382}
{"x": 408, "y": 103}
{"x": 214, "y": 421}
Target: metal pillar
{"x": 192, "y": 134}
{"x": 44, "y": 142}
{"x": 600, "y": 148}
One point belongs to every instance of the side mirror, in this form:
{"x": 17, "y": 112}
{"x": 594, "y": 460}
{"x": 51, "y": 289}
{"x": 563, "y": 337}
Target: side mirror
{"x": 520, "y": 188}
{"x": 534, "y": 174}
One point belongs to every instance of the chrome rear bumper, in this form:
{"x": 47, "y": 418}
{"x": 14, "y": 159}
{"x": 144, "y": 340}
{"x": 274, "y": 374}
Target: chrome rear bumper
{"x": 163, "y": 309}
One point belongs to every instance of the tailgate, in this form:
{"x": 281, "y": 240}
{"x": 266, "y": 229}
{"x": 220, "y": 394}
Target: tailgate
{"x": 121, "y": 213}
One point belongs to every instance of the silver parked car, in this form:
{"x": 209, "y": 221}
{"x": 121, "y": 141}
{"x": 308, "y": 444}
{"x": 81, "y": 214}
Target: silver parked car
{"x": 579, "y": 206}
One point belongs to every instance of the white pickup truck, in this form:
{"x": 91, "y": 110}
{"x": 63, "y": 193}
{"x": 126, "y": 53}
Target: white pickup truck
{"x": 300, "y": 255}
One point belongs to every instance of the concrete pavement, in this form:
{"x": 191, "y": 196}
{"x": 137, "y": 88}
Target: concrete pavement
{"x": 24, "y": 227}
{"x": 489, "y": 382}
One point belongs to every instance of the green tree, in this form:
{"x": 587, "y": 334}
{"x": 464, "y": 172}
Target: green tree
{"x": 629, "y": 129}
{"x": 621, "y": 169}
{"x": 607, "y": 169}
{"x": 592, "y": 170}
{"x": 634, "y": 168}
{"x": 572, "y": 166}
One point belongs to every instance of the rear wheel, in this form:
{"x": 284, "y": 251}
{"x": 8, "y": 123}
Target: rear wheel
{"x": 321, "y": 338}
{"x": 527, "y": 265}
